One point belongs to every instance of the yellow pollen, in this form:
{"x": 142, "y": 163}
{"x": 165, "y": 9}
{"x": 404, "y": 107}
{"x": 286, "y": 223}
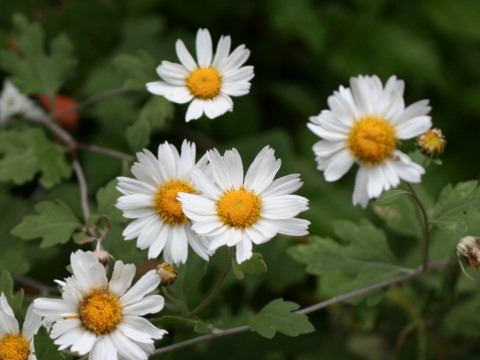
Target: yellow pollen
{"x": 166, "y": 203}
{"x": 204, "y": 83}
{"x": 239, "y": 208}
{"x": 372, "y": 140}
{"x": 14, "y": 347}
{"x": 100, "y": 312}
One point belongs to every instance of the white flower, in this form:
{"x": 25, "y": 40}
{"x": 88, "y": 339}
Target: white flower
{"x": 363, "y": 126}
{"x": 101, "y": 317}
{"x": 237, "y": 211}
{"x": 208, "y": 84}
{"x": 13, "y": 343}
{"x": 151, "y": 199}
{"x": 13, "y": 103}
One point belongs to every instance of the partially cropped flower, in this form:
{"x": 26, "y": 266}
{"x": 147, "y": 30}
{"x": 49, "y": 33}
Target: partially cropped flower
{"x": 207, "y": 83}
{"x": 14, "y": 103}
{"x": 432, "y": 142}
{"x": 468, "y": 251}
{"x": 103, "y": 318}
{"x": 69, "y": 120}
{"x": 240, "y": 211}
{"x": 16, "y": 344}
{"x": 363, "y": 125}
{"x": 151, "y": 199}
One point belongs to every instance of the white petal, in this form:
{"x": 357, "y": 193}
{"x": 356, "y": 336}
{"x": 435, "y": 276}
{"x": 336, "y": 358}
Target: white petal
{"x": 184, "y": 56}
{"x": 195, "y": 110}
{"x": 283, "y": 185}
{"x": 84, "y": 343}
{"x": 204, "y": 48}
{"x": 338, "y": 165}
{"x": 217, "y": 106}
{"x": 223, "y": 48}
{"x": 293, "y": 227}
{"x": 283, "y": 206}
{"x": 146, "y": 326}
{"x": 126, "y": 348}
{"x": 144, "y": 285}
{"x": 122, "y": 277}
{"x": 175, "y": 93}
{"x": 103, "y": 350}
{"x": 88, "y": 271}
{"x": 360, "y": 195}
{"x": 263, "y": 169}
{"x": 148, "y": 305}
{"x": 243, "y": 251}
{"x": 159, "y": 242}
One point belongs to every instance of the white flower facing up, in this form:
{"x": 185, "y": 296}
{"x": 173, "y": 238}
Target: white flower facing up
{"x": 14, "y": 103}
{"x": 151, "y": 199}
{"x": 16, "y": 345}
{"x": 364, "y": 125}
{"x": 240, "y": 211}
{"x": 207, "y": 84}
{"x": 103, "y": 318}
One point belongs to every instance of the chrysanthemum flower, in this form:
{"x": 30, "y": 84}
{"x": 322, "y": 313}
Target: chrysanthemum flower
{"x": 237, "y": 211}
{"x": 103, "y": 318}
{"x": 16, "y": 345}
{"x": 151, "y": 199}
{"x": 431, "y": 142}
{"x": 14, "y": 103}
{"x": 364, "y": 125}
{"x": 207, "y": 84}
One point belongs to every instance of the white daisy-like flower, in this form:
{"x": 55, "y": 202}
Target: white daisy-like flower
{"x": 103, "y": 318}
{"x": 14, "y": 103}
{"x": 151, "y": 199}
{"x": 207, "y": 84}
{"x": 16, "y": 345}
{"x": 240, "y": 211}
{"x": 364, "y": 125}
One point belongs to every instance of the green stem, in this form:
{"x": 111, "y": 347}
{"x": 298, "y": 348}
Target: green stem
{"x": 217, "y": 287}
{"x": 426, "y": 225}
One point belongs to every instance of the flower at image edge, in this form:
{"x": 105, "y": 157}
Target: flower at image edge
{"x": 363, "y": 125}
{"x": 16, "y": 345}
{"x": 239, "y": 211}
{"x": 207, "y": 83}
{"x": 151, "y": 199}
{"x": 103, "y": 318}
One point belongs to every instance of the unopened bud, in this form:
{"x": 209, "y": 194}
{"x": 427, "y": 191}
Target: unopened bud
{"x": 432, "y": 142}
{"x": 167, "y": 274}
{"x": 468, "y": 252}
{"x": 103, "y": 256}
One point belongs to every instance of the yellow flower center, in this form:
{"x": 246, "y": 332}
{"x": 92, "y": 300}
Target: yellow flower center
{"x": 239, "y": 208}
{"x": 372, "y": 140}
{"x": 166, "y": 203}
{"x": 204, "y": 83}
{"x": 14, "y": 347}
{"x": 100, "y": 312}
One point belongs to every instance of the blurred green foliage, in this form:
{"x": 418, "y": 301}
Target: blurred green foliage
{"x": 302, "y": 51}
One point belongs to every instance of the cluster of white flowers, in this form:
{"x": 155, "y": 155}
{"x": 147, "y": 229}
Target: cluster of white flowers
{"x": 14, "y": 103}
{"x": 178, "y": 202}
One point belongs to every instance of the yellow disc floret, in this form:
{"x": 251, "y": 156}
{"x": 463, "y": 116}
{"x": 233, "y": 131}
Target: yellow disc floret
{"x": 239, "y": 208}
{"x": 432, "y": 142}
{"x": 14, "y": 347}
{"x": 372, "y": 140}
{"x": 204, "y": 83}
{"x": 100, "y": 312}
{"x": 166, "y": 203}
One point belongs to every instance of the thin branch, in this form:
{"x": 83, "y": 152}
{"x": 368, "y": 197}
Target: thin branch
{"x": 42, "y": 288}
{"x": 426, "y": 225}
{"x": 307, "y": 310}
{"x": 91, "y": 100}
{"x": 217, "y": 287}
{"x": 105, "y": 151}
{"x": 83, "y": 185}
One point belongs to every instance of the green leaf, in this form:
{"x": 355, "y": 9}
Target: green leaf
{"x": 26, "y": 151}
{"x": 390, "y": 196}
{"x": 138, "y": 135}
{"x": 253, "y": 266}
{"x": 54, "y": 223}
{"x": 138, "y": 69}
{"x": 367, "y": 257}
{"x": 44, "y": 346}
{"x": 14, "y": 259}
{"x": 451, "y": 224}
{"x": 189, "y": 273}
{"x": 33, "y": 70}
{"x": 6, "y": 286}
{"x": 157, "y": 111}
{"x": 278, "y": 315}
{"x": 107, "y": 198}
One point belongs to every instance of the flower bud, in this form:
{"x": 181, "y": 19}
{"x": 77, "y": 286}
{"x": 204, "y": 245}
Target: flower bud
{"x": 167, "y": 274}
{"x": 468, "y": 251}
{"x": 103, "y": 256}
{"x": 432, "y": 142}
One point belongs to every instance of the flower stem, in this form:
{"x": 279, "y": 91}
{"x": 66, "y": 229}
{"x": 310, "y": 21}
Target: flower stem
{"x": 307, "y": 310}
{"x": 426, "y": 225}
{"x": 217, "y": 287}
